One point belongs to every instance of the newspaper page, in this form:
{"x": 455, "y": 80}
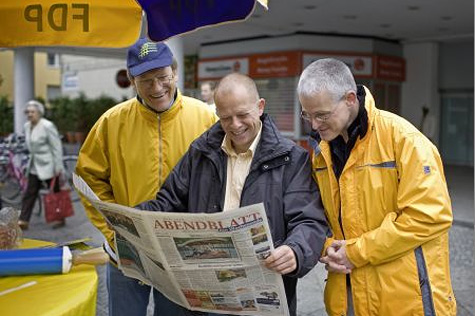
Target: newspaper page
{"x": 203, "y": 262}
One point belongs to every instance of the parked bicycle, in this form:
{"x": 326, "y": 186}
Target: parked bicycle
{"x": 13, "y": 164}
{"x": 13, "y": 177}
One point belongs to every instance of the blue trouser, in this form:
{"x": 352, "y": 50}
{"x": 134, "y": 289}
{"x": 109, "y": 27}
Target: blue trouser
{"x": 129, "y": 296}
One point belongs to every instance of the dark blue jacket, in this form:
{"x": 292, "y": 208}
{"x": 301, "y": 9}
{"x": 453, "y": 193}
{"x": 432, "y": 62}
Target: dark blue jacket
{"x": 280, "y": 177}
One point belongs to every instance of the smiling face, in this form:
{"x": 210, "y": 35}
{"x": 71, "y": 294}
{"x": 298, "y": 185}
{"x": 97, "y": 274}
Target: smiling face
{"x": 156, "y": 87}
{"x": 328, "y": 117}
{"x": 239, "y": 113}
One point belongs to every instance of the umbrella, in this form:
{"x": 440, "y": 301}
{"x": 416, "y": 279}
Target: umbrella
{"x": 110, "y": 23}
{"x": 167, "y": 18}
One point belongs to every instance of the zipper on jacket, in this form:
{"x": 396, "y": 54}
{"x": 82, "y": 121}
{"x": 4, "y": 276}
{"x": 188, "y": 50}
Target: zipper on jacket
{"x": 160, "y": 158}
{"x": 339, "y": 211}
{"x": 424, "y": 283}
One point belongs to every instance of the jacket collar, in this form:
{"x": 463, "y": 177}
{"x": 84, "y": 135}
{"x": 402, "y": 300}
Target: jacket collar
{"x": 370, "y": 108}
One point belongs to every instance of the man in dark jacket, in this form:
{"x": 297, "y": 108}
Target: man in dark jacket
{"x": 242, "y": 160}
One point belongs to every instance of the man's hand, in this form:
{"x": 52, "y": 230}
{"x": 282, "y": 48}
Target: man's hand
{"x": 336, "y": 259}
{"x": 282, "y": 260}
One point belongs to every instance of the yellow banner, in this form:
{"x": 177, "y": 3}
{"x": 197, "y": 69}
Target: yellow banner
{"x": 263, "y": 3}
{"x": 94, "y": 23}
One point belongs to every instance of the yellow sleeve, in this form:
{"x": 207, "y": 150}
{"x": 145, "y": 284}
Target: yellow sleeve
{"x": 94, "y": 167}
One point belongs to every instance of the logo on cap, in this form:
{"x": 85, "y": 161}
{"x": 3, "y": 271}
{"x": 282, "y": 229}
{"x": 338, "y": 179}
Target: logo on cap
{"x": 147, "y": 48}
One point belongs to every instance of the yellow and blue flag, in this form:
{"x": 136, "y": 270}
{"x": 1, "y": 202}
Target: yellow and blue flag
{"x": 110, "y": 23}
{"x": 167, "y": 18}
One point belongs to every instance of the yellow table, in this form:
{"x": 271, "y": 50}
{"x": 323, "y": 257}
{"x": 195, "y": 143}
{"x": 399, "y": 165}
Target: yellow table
{"x": 73, "y": 293}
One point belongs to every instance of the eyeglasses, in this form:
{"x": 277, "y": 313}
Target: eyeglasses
{"x": 319, "y": 117}
{"x": 150, "y": 82}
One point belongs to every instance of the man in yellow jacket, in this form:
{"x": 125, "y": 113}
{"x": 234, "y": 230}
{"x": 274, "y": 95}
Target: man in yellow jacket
{"x": 385, "y": 197}
{"x": 130, "y": 151}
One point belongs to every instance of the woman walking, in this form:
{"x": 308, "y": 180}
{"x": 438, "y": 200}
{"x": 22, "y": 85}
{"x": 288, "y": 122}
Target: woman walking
{"x": 45, "y": 161}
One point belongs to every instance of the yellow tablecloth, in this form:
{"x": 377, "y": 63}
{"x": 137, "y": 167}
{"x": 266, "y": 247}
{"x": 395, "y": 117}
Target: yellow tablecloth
{"x": 73, "y": 293}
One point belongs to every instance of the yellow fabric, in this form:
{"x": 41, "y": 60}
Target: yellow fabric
{"x": 237, "y": 170}
{"x": 263, "y": 3}
{"x": 71, "y": 294}
{"x": 102, "y": 23}
{"x": 385, "y": 214}
{"x": 131, "y": 149}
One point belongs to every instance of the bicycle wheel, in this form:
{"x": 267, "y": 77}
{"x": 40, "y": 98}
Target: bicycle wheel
{"x": 11, "y": 191}
{"x": 3, "y": 171}
{"x": 69, "y": 163}
{"x": 3, "y": 168}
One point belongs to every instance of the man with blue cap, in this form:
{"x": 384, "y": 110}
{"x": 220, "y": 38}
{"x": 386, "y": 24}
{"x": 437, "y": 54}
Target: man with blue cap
{"x": 130, "y": 151}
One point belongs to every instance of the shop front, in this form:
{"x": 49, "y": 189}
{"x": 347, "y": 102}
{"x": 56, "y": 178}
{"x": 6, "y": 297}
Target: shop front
{"x": 276, "y": 75}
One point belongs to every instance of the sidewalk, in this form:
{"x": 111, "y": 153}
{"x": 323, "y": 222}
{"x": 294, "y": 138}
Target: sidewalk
{"x": 310, "y": 289}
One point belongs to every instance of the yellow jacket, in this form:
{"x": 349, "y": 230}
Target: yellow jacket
{"x": 131, "y": 149}
{"x": 395, "y": 217}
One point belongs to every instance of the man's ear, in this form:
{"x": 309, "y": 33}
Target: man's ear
{"x": 131, "y": 79}
{"x": 261, "y": 105}
{"x": 351, "y": 98}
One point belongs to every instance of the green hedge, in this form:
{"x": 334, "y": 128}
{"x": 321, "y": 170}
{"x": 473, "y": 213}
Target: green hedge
{"x": 78, "y": 114}
{"x": 68, "y": 114}
{"x": 6, "y": 116}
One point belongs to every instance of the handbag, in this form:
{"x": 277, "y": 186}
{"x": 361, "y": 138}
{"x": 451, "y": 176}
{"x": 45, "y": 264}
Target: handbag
{"x": 57, "y": 205}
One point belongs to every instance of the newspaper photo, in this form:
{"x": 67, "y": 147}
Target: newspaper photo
{"x": 209, "y": 262}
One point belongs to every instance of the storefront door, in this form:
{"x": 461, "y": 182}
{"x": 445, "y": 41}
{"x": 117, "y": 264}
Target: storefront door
{"x": 456, "y": 132}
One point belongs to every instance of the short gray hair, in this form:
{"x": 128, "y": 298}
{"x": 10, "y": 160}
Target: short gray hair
{"x": 327, "y": 74}
{"x": 37, "y": 105}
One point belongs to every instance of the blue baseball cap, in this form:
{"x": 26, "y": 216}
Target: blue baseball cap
{"x": 146, "y": 55}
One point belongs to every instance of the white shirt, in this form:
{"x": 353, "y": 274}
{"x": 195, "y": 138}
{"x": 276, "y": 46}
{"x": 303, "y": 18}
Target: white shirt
{"x": 237, "y": 170}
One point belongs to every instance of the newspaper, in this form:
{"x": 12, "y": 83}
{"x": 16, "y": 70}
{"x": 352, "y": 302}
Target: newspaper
{"x": 203, "y": 262}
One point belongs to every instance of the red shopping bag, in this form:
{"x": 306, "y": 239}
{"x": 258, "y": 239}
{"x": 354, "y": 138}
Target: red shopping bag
{"x": 57, "y": 205}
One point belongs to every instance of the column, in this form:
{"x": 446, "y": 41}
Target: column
{"x": 421, "y": 86}
{"x": 24, "y": 83}
{"x": 176, "y": 45}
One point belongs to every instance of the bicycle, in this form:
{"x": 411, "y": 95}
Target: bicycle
{"x": 13, "y": 164}
{"x": 13, "y": 177}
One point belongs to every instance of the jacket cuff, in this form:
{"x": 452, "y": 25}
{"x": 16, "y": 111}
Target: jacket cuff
{"x": 298, "y": 258}
{"x": 353, "y": 253}
{"x": 327, "y": 244}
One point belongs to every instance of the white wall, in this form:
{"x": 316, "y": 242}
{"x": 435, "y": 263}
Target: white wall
{"x": 421, "y": 85}
{"x": 95, "y": 76}
{"x": 300, "y": 42}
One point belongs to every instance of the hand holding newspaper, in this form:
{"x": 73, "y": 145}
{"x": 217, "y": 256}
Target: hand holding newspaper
{"x": 203, "y": 262}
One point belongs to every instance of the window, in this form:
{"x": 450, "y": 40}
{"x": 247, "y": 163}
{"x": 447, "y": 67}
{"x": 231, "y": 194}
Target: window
{"x": 53, "y": 60}
{"x": 280, "y": 97}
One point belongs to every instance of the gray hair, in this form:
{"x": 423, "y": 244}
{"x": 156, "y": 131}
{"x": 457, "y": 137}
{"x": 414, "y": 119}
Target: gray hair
{"x": 328, "y": 74}
{"x": 37, "y": 105}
